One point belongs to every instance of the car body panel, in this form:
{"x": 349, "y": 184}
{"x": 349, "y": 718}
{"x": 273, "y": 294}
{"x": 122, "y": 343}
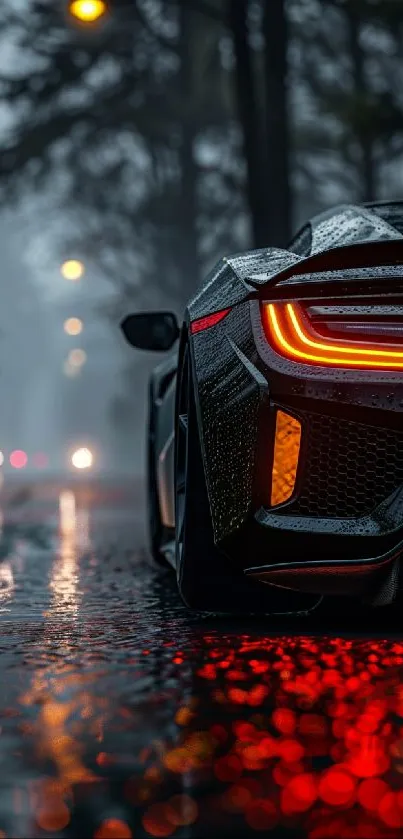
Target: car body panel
{"x": 240, "y": 382}
{"x": 165, "y": 474}
{"x": 163, "y": 390}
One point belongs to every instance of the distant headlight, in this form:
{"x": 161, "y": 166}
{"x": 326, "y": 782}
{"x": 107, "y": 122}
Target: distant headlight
{"x": 82, "y": 459}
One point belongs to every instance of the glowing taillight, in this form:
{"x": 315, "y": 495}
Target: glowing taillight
{"x": 292, "y": 334}
{"x": 287, "y": 443}
{"x": 210, "y": 320}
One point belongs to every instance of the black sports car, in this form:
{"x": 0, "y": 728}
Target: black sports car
{"x": 275, "y": 430}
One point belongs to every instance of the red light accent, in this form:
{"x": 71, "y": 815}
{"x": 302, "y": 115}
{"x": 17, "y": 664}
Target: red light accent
{"x": 337, "y": 787}
{"x": 299, "y": 794}
{"x": 18, "y": 459}
{"x": 261, "y": 815}
{"x": 211, "y": 320}
{"x": 292, "y": 335}
{"x": 371, "y": 791}
{"x": 284, "y": 719}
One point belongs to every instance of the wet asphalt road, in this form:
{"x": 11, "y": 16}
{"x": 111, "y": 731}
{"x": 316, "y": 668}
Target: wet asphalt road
{"x": 123, "y": 715}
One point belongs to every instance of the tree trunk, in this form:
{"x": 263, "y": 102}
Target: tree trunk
{"x": 277, "y": 118}
{"x": 363, "y": 133}
{"x": 188, "y": 246}
{"x": 252, "y": 124}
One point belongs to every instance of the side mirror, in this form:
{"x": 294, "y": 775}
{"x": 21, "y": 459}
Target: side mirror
{"x": 155, "y": 331}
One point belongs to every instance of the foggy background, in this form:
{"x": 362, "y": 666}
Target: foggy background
{"x": 148, "y": 145}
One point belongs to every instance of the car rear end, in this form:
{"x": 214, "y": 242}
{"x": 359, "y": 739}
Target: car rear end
{"x": 328, "y": 495}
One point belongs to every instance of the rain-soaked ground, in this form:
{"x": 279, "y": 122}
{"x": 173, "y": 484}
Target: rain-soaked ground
{"x": 123, "y": 715}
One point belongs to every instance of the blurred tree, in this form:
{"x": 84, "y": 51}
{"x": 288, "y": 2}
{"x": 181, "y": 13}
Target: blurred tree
{"x": 276, "y": 38}
{"x": 135, "y": 122}
{"x": 129, "y": 130}
{"x": 188, "y": 214}
{"x": 251, "y": 119}
{"x": 162, "y": 132}
{"x": 348, "y": 103}
{"x": 131, "y": 126}
{"x": 364, "y": 125}
{"x": 262, "y": 100}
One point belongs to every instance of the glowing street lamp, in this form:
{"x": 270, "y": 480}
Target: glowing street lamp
{"x": 77, "y": 358}
{"x": 82, "y": 459}
{"x": 88, "y": 11}
{"x": 72, "y": 269}
{"x": 74, "y": 363}
{"x": 73, "y": 326}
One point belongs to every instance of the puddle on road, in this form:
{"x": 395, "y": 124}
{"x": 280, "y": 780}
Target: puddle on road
{"x": 18, "y": 539}
{"x": 236, "y": 734}
{"x": 122, "y": 715}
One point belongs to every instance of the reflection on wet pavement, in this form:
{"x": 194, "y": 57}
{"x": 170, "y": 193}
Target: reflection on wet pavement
{"x": 122, "y": 715}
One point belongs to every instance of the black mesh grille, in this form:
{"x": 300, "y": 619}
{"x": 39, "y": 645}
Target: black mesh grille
{"x": 348, "y": 468}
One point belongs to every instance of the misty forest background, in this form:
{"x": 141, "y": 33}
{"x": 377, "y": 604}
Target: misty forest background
{"x": 177, "y": 132}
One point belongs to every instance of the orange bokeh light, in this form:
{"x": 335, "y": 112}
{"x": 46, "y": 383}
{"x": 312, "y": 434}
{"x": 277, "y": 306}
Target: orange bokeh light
{"x": 73, "y": 326}
{"x": 182, "y": 810}
{"x": 113, "y": 829}
{"x": 156, "y": 820}
{"x": 53, "y": 815}
{"x": 88, "y": 11}
{"x": 72, "y": 270}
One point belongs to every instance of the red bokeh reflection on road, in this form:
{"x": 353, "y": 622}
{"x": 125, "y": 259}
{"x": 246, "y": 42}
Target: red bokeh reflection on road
{"x": 113, "y": 829}
{"x": 275, "y": 733}
{"x": 308, "y": 733}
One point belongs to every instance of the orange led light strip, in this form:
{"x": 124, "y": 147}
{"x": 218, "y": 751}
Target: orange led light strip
{"x": 287, "y": 442}
{"x": 288, "y": 331}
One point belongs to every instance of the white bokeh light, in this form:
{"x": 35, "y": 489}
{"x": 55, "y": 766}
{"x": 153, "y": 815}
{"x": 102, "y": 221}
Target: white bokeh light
{"x": 82, "y": 459}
